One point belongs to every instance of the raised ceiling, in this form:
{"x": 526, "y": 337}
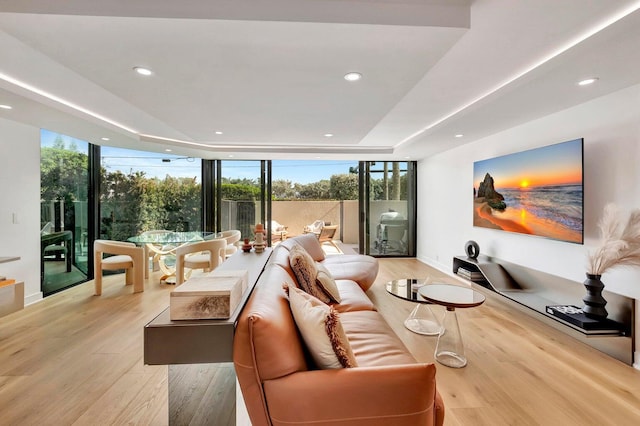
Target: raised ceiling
{"x": 269, "y": 74}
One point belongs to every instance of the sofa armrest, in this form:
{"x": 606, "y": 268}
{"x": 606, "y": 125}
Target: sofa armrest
{"x": 403, "y": 395}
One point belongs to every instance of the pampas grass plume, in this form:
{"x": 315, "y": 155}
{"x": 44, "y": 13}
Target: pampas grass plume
{"x": 620, "y": 247}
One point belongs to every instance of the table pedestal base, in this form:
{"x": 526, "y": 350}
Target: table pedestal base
{"x": 422, "y": 320}
{"x": 450, "y": 349}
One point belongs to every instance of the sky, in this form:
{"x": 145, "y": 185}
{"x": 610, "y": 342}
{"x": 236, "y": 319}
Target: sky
{"x": 151, "y": 164}
{"x": 550, "y": 165}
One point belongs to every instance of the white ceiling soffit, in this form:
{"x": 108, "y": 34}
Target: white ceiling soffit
{"x": 268, "y": 74}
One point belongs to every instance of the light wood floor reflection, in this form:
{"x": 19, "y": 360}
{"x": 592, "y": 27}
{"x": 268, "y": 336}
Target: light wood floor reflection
{"x": 76, "y": 359}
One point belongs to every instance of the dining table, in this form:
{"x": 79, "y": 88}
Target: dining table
{"x": 162, "y": 246}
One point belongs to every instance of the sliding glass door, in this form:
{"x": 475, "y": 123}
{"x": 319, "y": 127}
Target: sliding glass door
{"x": 240, "y": 185}
{"x": 388, "y": 208}
{"x": 64, "y": 186}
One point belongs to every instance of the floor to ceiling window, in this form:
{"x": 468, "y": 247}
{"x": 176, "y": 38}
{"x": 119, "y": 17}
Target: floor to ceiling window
{"x": 144, "y": 191}
{"x": 389, "y": 208}
{"x": 321, "y": 192}
{"x": 64, "y": 186}
{"x": 371, "y": 205}
{"x": 240, "y": 188}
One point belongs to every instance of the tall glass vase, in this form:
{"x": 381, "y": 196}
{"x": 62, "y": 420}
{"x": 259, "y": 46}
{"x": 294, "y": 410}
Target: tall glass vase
{"x": 593, "y": 301}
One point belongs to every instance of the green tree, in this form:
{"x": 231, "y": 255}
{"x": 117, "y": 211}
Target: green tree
{"x": 61, "y": 171}
{"x": 238, "y": 191}
{"x": 314, "y": 190}
{"x": 283, "y": 189}
{"x": 122, "y": 204}
{"x": 343, "y": 187}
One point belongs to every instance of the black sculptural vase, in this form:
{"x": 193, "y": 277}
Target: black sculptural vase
{"x": 593, "y": 301}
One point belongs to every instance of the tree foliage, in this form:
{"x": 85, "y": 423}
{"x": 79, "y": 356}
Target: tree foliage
{"x": 60, "y": 171}
{"x": 343, "y": 187}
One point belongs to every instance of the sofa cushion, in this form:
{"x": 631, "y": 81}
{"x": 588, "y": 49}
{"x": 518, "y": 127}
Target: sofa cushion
{"x": 309, "y": 242}
{"x": 373, "y": 341}
{"x": 305, "y": 271}
{"x": 359, "y": 268}
{"x": 325, "y": 281}
{"x": 321, "y": 330}
{"x": 352, "y": 297}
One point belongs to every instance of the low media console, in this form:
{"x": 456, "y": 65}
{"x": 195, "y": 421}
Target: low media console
{"x": 537, "y": 290}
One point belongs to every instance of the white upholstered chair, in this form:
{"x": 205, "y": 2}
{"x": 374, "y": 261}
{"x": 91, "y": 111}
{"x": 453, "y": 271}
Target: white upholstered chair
{"x": 127, "y": 256}
{"x": 231, "y": 237}
{"x": 205, "y": 255}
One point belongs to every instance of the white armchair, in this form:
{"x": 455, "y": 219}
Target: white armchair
{"x": 127, "y": 256}
{"x": 205, "y": 255}
{"x": 231, "y": 237}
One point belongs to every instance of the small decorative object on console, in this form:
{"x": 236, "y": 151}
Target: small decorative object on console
{"x": 246, "y": 247}
{"x": 620, "y": 247}
{"x": 472, "y": 249}
{"x": 259, "y": 243}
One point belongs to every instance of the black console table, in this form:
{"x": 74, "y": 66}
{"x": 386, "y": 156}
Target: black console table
{"x": 537, "y": 290}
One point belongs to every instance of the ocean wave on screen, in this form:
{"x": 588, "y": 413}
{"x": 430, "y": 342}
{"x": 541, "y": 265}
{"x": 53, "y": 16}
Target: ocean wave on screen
{"x": 561, "y": 204}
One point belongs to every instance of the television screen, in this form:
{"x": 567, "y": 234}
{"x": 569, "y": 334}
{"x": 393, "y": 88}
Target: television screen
{"x": 536, "y": 192}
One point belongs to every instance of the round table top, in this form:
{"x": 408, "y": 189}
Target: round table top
{"x": 407, "y": 288}
{"x": 451, "y": 296}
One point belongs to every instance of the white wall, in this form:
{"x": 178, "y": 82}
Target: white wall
{"x": 610, "y": 126}
{"x": 20, "y": 195}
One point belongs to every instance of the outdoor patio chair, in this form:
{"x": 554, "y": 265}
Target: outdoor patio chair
{"x": 278, "y": 232}
{"x": 314, "y": 228}
{"x": 327, "y": 234}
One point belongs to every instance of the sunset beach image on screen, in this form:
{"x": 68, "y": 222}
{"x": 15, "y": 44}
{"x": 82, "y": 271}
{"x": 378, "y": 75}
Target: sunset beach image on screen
{"x": 536, "y": 192}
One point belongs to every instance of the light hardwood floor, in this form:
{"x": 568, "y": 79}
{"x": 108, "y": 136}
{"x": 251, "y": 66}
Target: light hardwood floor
{"x": 76, "y": 359}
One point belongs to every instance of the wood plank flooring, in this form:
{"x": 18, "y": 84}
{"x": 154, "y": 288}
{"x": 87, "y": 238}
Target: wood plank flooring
{"x": 76, "y": 359}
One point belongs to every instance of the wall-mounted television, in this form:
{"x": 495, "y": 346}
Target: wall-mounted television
{"x": 535, "y": 192}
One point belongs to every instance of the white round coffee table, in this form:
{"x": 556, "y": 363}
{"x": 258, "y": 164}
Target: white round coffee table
{"x": 422, "y": 319}
{"x": 450, "y": 349}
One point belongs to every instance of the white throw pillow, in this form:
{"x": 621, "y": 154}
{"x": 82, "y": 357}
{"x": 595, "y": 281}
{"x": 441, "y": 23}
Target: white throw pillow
{"x": 321, "y": 330}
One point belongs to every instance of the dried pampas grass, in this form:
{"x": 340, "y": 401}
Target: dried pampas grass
{"x": 620, "y": 246}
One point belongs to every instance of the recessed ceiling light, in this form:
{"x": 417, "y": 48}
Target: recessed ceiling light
{"x": 142, "y": 70}
{"x": 459, "y": 135}
{"x": 352, "y": 76}
{"x": 105, "y": 139}
{"x": 218, "y": 133}
{"x": 230, "y": 155}
{"x": 6, "y": 106}
{"x": 167, "y": 150}
{"x": 587, "y": 81}
{"x": 328, "y": 135}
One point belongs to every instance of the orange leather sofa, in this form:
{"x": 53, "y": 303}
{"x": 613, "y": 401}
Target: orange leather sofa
{"x": 279, "y": 382}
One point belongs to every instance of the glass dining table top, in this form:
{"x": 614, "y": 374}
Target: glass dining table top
{"x": 171, "y": 237}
